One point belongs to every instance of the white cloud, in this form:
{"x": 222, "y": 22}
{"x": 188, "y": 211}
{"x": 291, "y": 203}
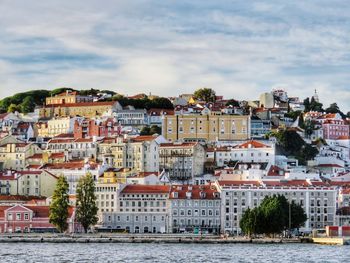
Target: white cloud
{"x": 238, "y": 49}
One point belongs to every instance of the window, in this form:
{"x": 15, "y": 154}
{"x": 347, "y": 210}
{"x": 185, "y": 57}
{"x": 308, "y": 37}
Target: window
{"x": 9, "y": 216}
{"x": 18, "y": 216}
{"x": 26, "y": 216}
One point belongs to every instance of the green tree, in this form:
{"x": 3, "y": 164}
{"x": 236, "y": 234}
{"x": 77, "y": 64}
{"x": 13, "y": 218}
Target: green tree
{"x": 316, "y": 106}
{"x": 233, "y": 103}
{"x": 13, "y": 108}
{"x": 155, "y": 130}
{"x": 28, "y": 104}
{"x": 333, "y": 108}
{"x": 60, "y": 90}
{"x": 307, "y": 104}
{"x": 274, "y": 216}
{"x": 86, "y": 209}
{"x": 59, "y": 205}
{"x": 145, "y": 130}
{"x": 205, "y": 94}
{"x": 298, "y": 215}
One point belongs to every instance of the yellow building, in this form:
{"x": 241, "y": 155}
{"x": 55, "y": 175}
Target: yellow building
{"x": 67, "y": 97}
{"x": 206, "y": 127}
{"x": 107, "y": 188}
{"x": 83, "y": 109}
{"x": 112, "y": 176}
{"x": 14, "y": 155}
{"x": 32, "y": 183}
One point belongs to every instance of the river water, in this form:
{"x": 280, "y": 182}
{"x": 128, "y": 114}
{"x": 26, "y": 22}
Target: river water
{"x": 48, "y": 252}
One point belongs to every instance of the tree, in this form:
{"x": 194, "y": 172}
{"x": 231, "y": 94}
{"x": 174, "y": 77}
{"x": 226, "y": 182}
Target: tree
{"x": 13, "y": 108}
{"x": 274, "y": 216}
{"x": 316, "y": 106}
{"x": 155, "y": 130}
{"x": 28, "y": 104}
{"x": 333, "y": 108}
{"x": 86, "y": 209}
{"x": 59, "y": 205}
{"x": 307, "y": 104}
{"x": 205, "y": 94}
{"x": 145, "y": 130}
{"x": 298, "y": 215}
{"x": 233, "y": 103}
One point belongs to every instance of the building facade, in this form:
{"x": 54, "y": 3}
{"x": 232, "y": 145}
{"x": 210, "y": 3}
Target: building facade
{"x": 206, "y": 127}
{"x": 182, "y": 161}
{"x": 194, "y": 208}
{"x": 141, "y": 209}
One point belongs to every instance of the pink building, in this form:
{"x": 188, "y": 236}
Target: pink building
{"x": 88, "y": 128}
{"x": 334, "y": 128}
{"x": 25, "y": 218}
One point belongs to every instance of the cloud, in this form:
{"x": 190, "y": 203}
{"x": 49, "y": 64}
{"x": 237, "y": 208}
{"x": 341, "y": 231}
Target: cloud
{"x": 240, "y": 49}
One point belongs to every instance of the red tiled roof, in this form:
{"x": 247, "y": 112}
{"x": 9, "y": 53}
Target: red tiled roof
{"x": 252, "y": 144}
{"x": 159, "y": 112}
{"x": 56, "y": 155}
{"x": 345, "y": 191}
{"x": 196, "y": 191}
{"x": 36, "y": 156}
{"x": 140, "y": 189}
{"x": 344, "y": 138}
{"x": 65, "y": 135}
{"x": 330, "y": 165}
{"x": 237, "y": 183}
{"x": 84, "y": 104}
{"x": 142, "y": 138}
{"x": 181, "y": 145}
{"x": 68, "y": 165}
{"x": 275, "y": 171}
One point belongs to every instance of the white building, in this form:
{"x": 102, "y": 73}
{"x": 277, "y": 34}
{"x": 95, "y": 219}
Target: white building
{"x": 141, "y": 209}
{"x": 194, "y": 207}
{"x": 317, "y": 199}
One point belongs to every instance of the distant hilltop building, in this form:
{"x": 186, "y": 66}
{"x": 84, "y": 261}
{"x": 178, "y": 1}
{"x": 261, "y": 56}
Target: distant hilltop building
{"x": 83, "y": 109}
{"x": 68, "y": 97}
{"x": 315, "y": 96}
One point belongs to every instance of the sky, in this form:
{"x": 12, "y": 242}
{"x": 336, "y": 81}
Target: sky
{"x": 238, "y": 48}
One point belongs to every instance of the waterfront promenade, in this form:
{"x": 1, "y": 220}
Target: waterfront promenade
{"x": 137, "y": 238}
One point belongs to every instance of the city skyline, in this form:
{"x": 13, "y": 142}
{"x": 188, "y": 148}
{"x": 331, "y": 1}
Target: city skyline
{"x": 238, "y": 49}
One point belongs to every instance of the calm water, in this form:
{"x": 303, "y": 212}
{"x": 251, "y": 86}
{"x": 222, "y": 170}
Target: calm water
{"x": 37, "y": 252}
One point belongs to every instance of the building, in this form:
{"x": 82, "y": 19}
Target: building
{"x": 194, "y": 207}
{"x": 82, "y": 109}
{"x": 57, "y": 126}
{"x": 30, "y": 218}
{"x": 206, "y": 127}
{"x": 318, "y": 200}
{"x": 13, "y": 155}
{"x": 28, "y": 183}
{"x": 73, "y": 171}
{"x": 259, "y": 128}
{"x": 182, "y": 161}
{"x": 73, "y": 148}
{"x": 141, "y": 209}
{"x": 248, "y": 152}
{"x": 89, "y": 128}
{"x": 68, "y": 97}
{"x": 140, "y": 153}
{"x": 129, "y": 116}
{"x": 155, "y": 116}
{"x": 107, "y": 186}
